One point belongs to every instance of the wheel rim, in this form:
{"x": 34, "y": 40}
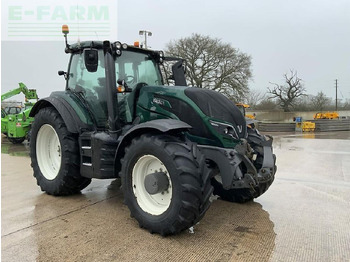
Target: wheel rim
{"x": 48, "y": 152}
{"x": 155, "y": 204}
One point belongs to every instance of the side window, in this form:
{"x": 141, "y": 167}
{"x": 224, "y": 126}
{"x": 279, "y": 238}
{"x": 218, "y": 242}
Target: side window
{"x": 91, "y": 85}
{"x": 79, "y": 77}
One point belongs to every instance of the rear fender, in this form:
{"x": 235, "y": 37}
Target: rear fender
{"x": 67, "y": 108}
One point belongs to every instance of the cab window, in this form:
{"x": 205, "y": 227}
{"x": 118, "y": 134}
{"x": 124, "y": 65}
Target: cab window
{"x": 90, "y": 85}
{"x": 137, "y": 68}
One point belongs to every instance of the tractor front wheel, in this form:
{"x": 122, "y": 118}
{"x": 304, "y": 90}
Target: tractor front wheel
{"x": 166, "y": 183}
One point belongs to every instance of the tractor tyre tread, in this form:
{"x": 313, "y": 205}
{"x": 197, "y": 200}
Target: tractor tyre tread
{"x": 68, "y": 181}
{"x": 191, "y": 173}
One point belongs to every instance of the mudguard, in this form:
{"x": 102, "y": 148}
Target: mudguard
{"x": 74, "y": 114}
{"x": 159, "y": 125}
{"x": 163, "y": 125}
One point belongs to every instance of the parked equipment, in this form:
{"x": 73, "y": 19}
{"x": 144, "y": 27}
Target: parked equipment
{"x": 242, "y": 108}
{"x": 308, "y": 126}
{"x": 16, "y": 124}
{"x": 13, "y": 110}
{"x": 327, "y": 115}
{"x": 172, "y": 146}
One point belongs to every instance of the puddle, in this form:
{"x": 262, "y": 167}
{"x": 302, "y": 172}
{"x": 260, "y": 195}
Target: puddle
{"x": 311, "y": 135}
{"x": 14, "y": 149}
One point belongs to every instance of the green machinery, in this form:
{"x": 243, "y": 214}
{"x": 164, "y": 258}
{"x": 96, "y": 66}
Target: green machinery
{"x": 17, "y": 126}
{"x": 171, "y": 146}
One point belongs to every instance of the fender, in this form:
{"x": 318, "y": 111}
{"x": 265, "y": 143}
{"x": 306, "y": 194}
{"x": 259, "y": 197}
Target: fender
{"x": 67, "y": 107}
{"x": 159, "y": 125}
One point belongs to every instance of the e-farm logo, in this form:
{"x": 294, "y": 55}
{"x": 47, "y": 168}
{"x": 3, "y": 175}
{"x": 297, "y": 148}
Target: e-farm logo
{"x": 43, "y": 22}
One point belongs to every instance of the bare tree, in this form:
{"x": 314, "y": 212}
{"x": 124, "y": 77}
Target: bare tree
{"x": 346, "y": 105}
{"x": 212, "y": 64}
{"x": 303, "y": 103}
{"x": 254, "y": 97}
{"x": 268, "y": 104}
{"x": 286, "y": 94}
{"x": 320, "y": 101}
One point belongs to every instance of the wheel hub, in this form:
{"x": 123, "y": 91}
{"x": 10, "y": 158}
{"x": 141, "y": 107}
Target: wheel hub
{"x": 156, "y": 183}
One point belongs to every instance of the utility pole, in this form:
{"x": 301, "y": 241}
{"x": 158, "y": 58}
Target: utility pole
{"x": 336, "y": 94}
{"x": 145, "y": 33}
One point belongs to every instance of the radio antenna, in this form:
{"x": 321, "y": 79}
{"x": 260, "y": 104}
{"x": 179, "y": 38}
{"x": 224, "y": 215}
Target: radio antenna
{"x": 78, "y": 18}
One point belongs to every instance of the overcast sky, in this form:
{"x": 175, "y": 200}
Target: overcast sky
{"x": 309, "y": 36}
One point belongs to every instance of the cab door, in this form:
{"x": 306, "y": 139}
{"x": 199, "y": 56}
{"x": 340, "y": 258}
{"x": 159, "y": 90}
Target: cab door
{"x": 90, "y": 85}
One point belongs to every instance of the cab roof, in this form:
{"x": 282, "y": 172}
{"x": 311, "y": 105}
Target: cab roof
{"x": 79, "y": 46}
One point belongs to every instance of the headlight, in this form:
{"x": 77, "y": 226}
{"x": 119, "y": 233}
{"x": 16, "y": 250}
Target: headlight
{"x": 224, "y": 129}
{"x": 118, "y": 45}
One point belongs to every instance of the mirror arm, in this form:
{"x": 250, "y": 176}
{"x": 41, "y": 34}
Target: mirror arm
{"x": 63, "y": 73}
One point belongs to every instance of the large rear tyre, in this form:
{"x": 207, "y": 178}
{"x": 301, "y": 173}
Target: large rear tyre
{"x": 181, "y": 180}
{"x": 55, "y": 155}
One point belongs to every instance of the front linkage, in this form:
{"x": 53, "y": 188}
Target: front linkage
{"x": 245, "y": 171}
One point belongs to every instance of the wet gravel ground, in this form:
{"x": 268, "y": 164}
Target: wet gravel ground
{"x": 304, "y": 216}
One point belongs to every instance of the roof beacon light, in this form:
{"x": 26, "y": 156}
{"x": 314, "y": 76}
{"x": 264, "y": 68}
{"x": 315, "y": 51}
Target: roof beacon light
{"x": 137, "y": 44}
{"x": 65, "y": 29}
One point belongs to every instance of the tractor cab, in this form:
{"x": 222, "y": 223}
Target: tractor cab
{"x": 13, "y": 110}
{"x": 130, "y": 67}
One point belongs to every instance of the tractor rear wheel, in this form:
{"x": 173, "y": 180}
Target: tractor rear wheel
{"x": 55, "y": 155}
{"x": 166, "y": 183}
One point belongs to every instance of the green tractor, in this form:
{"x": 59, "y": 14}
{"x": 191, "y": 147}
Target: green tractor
{"x": 171, "y": 146}
{"x": 16, "y": 123}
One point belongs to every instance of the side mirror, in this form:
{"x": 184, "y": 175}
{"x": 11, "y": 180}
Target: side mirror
{"x": 91, "y": 59}
{"x": 62, "y": 73}
{"x": 179, "y": 74}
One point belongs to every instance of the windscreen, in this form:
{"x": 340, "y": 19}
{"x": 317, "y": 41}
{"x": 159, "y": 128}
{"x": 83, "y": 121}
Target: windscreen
{"x": 136, "y": 68}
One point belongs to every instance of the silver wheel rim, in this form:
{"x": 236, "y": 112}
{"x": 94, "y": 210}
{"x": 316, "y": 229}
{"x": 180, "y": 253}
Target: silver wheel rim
{"x": 153, "y": 204}
{"x": 48, "y": 152}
